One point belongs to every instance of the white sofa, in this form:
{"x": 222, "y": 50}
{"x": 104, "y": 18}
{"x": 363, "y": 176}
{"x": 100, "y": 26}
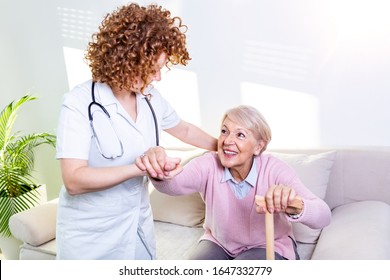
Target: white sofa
{"x": 355, "y": 182}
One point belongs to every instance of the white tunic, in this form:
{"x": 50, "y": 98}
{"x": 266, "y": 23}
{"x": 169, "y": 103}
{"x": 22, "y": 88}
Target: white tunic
{"x": 116, "y": 223}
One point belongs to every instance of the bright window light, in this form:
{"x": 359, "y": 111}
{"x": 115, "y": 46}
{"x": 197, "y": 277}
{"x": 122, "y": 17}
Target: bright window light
{"x": 361, "y": 17}
{"x": 76, "y": 68}
{"x": 293, "y": 116}
{"x": 180, "y": 88}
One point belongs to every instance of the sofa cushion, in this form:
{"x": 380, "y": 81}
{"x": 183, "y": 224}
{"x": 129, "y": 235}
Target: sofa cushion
{"x": 170, "y": 242}
{"x": 37, "y": 225}
{"x": 314, "y": 171}
{"x": 186, "y": 210}
{"x": 305, "y": 250}
{"x": 46, "y": 251}
{"x": 359, "y": 231}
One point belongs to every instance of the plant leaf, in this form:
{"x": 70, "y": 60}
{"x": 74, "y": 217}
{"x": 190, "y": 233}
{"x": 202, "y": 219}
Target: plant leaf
{"x": 16, "y": 164}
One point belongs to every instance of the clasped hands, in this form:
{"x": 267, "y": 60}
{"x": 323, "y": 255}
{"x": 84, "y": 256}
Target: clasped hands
{"x": 158, "y": 165}
{"x": 279, "y": 198}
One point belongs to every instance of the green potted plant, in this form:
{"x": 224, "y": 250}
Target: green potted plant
{"x": 18, "y": 190}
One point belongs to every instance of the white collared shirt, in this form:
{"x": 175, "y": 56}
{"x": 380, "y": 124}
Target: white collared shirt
{"x": 241, "y": 189}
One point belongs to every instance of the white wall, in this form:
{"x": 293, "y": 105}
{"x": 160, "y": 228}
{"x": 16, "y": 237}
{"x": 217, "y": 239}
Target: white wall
{"x": 318, "y": 70}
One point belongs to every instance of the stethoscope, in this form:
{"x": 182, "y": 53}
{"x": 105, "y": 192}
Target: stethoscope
{"x": 90, "y": 116}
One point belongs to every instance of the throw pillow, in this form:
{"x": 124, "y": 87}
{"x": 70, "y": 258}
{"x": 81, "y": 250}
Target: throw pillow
{"x": 186, "y": 210}
{"x": 314, "y": 171}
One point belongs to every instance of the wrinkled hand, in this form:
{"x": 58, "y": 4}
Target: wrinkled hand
{"x": 279, "y": 198}
{"x": 157, "y": 164}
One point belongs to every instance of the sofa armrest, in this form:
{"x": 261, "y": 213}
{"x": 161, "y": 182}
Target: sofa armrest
{"x": 358, "y": 231}
{"x": 37, "y": 225}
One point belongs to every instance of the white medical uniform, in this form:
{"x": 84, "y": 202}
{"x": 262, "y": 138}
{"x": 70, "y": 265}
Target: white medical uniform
{"x": 116, "y": 223}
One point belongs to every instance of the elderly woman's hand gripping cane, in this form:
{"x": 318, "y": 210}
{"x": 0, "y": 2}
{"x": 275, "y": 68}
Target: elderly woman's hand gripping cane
{"x": 275, "y": 201}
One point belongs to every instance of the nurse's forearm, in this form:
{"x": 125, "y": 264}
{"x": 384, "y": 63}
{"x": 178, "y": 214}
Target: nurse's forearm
{"x": 79, "y": 178}
{"x": 193, "y": 135}
{"x": 201, "y": 139}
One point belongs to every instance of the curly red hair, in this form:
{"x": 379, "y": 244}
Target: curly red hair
{"x": 129, "y": 41}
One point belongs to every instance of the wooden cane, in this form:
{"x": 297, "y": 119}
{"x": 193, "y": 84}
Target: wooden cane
{"x": 269, "y": 225}
{"x": 269, "y": 236}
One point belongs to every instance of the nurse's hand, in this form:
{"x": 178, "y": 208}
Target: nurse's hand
{"x": 156, "y": 162}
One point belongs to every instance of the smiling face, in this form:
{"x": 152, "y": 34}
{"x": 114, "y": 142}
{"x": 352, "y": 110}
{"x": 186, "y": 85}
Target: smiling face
{"x": 236, "y": 147}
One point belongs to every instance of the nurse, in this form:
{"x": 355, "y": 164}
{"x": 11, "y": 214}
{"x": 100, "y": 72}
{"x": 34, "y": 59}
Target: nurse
{"x": 109, "y": 121}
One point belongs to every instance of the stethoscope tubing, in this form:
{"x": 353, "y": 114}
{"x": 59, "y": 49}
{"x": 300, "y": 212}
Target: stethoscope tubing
{"x": 155, "y": 120}
{"x": 94, "y": 102}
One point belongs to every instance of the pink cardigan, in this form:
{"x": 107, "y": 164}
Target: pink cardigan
{"x": 233, "y": 223}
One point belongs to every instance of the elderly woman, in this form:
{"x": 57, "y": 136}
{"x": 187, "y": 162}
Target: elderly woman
{"x": 229, "y": 182}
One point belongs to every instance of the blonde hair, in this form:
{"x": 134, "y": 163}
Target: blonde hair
{"x": 251, "y": 119}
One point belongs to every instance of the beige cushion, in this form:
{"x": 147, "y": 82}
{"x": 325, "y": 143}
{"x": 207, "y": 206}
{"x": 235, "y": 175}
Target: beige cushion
{"x": 46, "y": 251}
{"x": 174, "y": 242}
{"x": 314, "y": 171}
{"x": 36, "y": 225}
{"x": 359, "y": 231}
{"x": 186, "y": 210}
